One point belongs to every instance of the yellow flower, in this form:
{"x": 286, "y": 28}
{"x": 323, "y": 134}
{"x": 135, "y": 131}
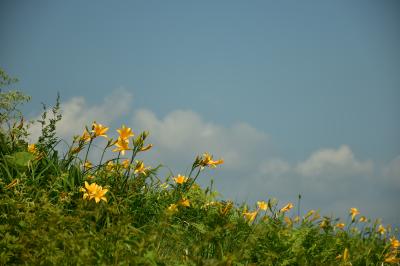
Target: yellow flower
{"x": 250, "y": 216}
{"x": 85, "y": 136}
{"x": 262, "y": 205}
{"x": 146, "y": 148}
{"x": 381, "y": 229}
{"x": 122, "y": 146}
{"x": 208, "y": 161}
{"x": 340, "y": 225}
{"x": 110, "y": 166}
{"x": 394, "y": 243}
{"x": 125, "y": 163}
{"x": 94, "y": 191}
{"x": 32, "y": 148}
{"x": 288, "y": 221}
{"x": 87, "y": 165}
{"x": 287, "y": 207}
{"x": 354, "y": 212}
{"x": 296, "y": 219}
{"x": 125, "y": 132}
{"x": 184, "y": 202}
{"x": 172, "y": 208}
{"x": 362, "y": 219}
{"x": 391, "y": 258}
{"x": 180, "y": 179}
{"x": 139, "y": 168}
{"x": 99, "y": 130}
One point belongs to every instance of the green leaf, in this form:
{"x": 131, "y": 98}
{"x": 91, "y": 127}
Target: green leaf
{"x": 20, "y": 159}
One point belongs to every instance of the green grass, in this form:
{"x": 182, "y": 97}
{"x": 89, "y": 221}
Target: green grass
{"x": 145, "y": 219}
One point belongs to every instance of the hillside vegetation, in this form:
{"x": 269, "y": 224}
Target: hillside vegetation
{"x": 60, "y": 209}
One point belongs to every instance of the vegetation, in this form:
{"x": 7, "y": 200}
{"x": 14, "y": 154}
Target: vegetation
{"x": 61, "y": 209}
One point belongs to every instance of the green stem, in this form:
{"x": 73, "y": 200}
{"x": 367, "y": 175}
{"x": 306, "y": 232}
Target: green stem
{"x": 87, "y": 151}
{"x": 194, "y": 179}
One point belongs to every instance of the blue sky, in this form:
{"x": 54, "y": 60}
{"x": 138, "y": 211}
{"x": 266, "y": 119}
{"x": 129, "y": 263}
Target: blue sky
{"x": 301, "y": 97}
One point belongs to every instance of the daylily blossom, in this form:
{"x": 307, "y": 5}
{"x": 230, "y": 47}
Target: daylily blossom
{"x": 394, "y": 243}
{"x": 262, "y": 205}
{"x": 287, "y": 207}
{"x": 340, "y": 225}
{"x": 110, "y": 166}
{"x": 85, "y": 136}
{"x": 32, "y": 148}
{"x": 125, "y": 132}
{"x": 99, "y": 130}
{"x": 208, "y": 161}
{"x": 94, "y": 191}
{"x": 184, "y": 202}
{"x": 139, "y": 168}
{"x": 173, "y": 208}
{"x": 381, "y": 229}
{"x": 250, "y": 216}
{"x": 391, "y": 258}
{"x": 354, "y": 212}
{"x": 180, "y": 179}
{"x": 362, "y": 219}
{"x": 87, "y": 165}
{"x": 122, "y": 146}
{"x": 125, "y": 163}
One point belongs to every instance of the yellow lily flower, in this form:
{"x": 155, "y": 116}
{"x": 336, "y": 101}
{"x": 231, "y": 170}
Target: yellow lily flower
{"x": 287, "y": 207}
{"x": 110, "y": 166}
{"x": 139, "y": 168}
{"x": 87, "y": 165}
{"x": 122, "y": 146}
{"x": 394, "y": 243}
{"x": 172, "y": 208}
{"x": 32, "y": 148}
{"x": 208, "y": 161}
{"x": 180, "y": 179}
{"x": 362, "y": 219}
{"x": 184, "y": 202}
{"x": 85, "y": 136}
{"x": 262, "y": 205}
{"x": 381, "y": 229}
{"x": 125, "y": 132}
{"x": 125, "y": 163}
{"x": 354, "y": 212}
{"x": 99, "y": 130}
{"x": 250, "y": 216}
{"x": 340, "y": 225}
{"x": 391, "y": 258}
{"x": 94, "y": 191}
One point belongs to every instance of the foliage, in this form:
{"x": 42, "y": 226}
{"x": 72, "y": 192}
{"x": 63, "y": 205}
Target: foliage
{"x": 58, "y": 210}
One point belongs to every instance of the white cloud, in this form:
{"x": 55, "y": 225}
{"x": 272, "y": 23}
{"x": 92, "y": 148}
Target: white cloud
{"x": 77, "y": 113}
{"x": 391, "y": 173}
{"x": 274, "y": 167}
{"x": 183, "y": 133}
{"x": 340, "y": 162}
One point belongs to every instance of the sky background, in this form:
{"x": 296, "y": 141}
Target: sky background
{"x": 296, "y": 96}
